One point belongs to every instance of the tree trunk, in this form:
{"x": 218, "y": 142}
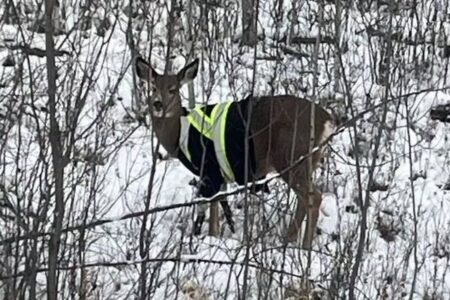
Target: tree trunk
{"x": 249, "y": 34}
{"x": 57, "y": 156}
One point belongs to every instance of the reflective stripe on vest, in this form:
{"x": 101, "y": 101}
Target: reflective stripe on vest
{"x": 213, "y": 128}
{"x": 220, "y": 139}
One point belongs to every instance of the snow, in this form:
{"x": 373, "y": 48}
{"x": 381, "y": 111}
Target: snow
{"x": 115, "y": 160}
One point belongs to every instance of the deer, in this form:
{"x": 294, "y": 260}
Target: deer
{"x": 280, "y": 129}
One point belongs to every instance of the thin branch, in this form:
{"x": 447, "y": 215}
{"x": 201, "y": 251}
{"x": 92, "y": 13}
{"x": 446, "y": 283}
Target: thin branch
{"x": 185, "y": 260}
{"x": 33, "y": 51}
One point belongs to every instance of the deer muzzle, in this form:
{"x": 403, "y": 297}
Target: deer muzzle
{"x": 157, "y": 105}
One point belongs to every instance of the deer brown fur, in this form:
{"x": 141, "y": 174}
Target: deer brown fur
{"x": 280, "y": 127}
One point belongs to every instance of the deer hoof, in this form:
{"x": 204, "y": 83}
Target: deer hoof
{"x": 291, "y": 237}
{"x": 293, "y": 233}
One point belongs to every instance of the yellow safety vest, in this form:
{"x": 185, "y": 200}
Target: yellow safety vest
{"x": 212, "y": 127}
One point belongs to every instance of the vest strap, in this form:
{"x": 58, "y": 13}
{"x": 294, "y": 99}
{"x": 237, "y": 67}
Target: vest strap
{"x": 212, "y": 127}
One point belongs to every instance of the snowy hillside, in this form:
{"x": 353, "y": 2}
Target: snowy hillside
{"x": 384, "y": 227}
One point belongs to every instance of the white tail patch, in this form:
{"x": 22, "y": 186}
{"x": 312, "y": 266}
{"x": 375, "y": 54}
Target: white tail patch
{"x": 328, "y": 129}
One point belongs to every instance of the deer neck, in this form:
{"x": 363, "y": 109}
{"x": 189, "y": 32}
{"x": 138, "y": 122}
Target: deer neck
{"x": 167, "y": 130}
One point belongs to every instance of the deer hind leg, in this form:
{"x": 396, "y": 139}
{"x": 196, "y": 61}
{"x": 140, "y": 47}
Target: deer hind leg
{"x": 304, "y": 209}
{"x": 312, "y": 217}
{"x": 294, "y": 229}
{"x": 297, "y": 179}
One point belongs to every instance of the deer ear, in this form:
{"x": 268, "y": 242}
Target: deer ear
{"x": 188, "y": 73}
{"x": 144, "y": 70}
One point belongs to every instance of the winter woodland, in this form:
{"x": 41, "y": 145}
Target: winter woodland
{"x": 91, "y": 208}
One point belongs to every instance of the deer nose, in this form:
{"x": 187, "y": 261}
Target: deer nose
{"x": 157, "y": 105}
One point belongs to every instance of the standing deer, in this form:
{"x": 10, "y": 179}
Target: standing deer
{"x": 278, "y": 134}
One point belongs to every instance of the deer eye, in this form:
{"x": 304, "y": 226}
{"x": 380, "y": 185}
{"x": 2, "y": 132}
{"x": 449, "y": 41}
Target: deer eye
{"x": 172, "y": 91}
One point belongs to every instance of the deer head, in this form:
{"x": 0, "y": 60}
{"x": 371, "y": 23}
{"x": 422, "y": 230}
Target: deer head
{"x": 165, "y": 100}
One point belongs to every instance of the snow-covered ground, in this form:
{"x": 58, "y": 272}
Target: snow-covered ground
{"x": 407, "y": 239}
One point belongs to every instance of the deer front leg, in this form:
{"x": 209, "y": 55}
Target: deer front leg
{"x": 214, "y": 218}
{"x": 228, "y": 214}
{"x": 209, "y": 186}
{"x": 201, "y": 211}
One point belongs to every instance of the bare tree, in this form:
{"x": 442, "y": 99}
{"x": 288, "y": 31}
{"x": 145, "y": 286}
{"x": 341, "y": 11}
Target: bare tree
{"x": 249, "y": 20}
